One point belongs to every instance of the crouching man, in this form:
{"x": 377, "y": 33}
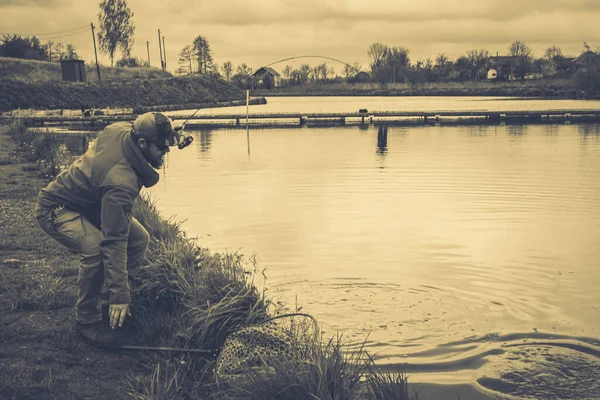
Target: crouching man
{"x": 88, "y": 209}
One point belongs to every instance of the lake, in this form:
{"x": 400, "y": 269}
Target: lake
{"x": 462, "y": 254}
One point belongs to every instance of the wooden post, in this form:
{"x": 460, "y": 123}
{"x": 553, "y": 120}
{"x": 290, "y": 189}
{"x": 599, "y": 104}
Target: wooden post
{"x": 148, "y": 48}
{"x": 247, "y": 105}
{"x": 162, "y": 65}
{"x": 164, "y": 53}
{"x": 247, "y": 126}
{"x": 96, "y": 53}
{"x": 382, "y": 137}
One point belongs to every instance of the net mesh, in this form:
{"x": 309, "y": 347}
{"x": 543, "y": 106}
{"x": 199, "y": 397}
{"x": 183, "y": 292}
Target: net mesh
{"x": 259, "y": 347}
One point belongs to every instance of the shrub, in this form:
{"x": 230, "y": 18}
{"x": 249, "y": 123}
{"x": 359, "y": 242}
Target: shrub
{"x": 41, "y": 147}
{"x": 587, "y": 80}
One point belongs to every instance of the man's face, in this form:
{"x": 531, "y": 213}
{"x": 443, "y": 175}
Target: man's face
{"x": 155, "y": 152}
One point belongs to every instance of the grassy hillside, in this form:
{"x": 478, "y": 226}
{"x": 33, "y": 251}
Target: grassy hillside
{"x": 43, "y": 71}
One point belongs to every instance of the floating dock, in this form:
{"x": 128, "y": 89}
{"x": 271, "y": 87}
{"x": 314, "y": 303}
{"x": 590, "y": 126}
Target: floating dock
{"x": 360, "y": 118}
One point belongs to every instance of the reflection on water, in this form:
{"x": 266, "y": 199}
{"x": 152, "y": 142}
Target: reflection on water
{"x": 440, "y": 235}
{"x": 205, "y": 140}
{"x": 382, "y": 135}
{"x": 589, "y": 130}
{"x": 516, "y": 130}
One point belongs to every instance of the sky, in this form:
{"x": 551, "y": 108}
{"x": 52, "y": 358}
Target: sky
{"x": 263, "y": 32}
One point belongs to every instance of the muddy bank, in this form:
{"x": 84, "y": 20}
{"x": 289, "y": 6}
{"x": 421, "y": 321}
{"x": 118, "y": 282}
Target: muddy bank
{"x": 135, "y": 93}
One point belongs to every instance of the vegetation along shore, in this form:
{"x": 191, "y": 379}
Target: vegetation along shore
{"x": 188, "y": 297}
{"x": 144, "y": 89}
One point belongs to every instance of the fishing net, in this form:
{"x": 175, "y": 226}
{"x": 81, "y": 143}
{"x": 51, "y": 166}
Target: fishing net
{"x": 256, "y": 349}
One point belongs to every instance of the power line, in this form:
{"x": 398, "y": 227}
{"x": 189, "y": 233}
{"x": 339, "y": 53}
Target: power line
{"x": 45, "y": 34}
{"x": 70, "y": 34}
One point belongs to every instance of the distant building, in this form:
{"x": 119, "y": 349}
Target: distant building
{"x": 267, "y": 77}
{"x": 504, "y": 67}
{"x": 73, "y": 70}
{"x": 586, "y": 58}
{"x": 362, "y": 77}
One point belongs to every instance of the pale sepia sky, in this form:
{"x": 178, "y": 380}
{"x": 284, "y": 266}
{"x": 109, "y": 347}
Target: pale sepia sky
{"x": 264, "y": 31}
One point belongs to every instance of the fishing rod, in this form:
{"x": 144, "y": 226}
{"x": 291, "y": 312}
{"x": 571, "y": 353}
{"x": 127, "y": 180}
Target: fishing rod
{"x": 187, "y": 140}
{"x": 168, "y": 349}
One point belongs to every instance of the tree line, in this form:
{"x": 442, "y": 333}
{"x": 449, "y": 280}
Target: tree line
{"x": 16, "y": 46}
{"x": 392, "y": 64}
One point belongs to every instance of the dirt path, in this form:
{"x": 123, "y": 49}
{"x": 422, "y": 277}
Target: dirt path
{"x": 40, "y": 355}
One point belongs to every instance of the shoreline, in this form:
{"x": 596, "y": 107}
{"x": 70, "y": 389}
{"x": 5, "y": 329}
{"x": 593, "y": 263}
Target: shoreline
{"x": 42, "y": 358}
{"x": 185, "y": 92}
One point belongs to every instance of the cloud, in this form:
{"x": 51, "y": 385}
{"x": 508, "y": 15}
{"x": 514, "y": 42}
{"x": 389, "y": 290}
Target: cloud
{"x": 238, "y": 13}
{"x": 31, "y": 3}
{"x": 265, "y": 31}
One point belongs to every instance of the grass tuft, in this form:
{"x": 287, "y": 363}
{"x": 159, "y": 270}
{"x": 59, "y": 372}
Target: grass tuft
{"x": 187, "y": 295}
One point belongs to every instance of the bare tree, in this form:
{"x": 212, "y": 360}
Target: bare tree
{"x": 377, "y": 54}
{"x": 441, "y": 60}
{"x": 244, "y": 69}
{"x": 351, "y": 70}
{"x": 227, "y": 70}
{"x": 519, "y": 49}
{"x": 287, "y": 71}
{"x": 524, "y": 63}
{"x": 478, "y": 60}
{"x": 552, "y": 53}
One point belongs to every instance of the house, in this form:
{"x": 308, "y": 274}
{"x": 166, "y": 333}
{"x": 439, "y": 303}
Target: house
{"x": 492, "y": 74}
{"x": 73, "y": 70}
{"x": 267, "y": 77}
{"x": 503, "y": 66}
{"x": 588, "y": 57}
{"x": 362, "y": 77}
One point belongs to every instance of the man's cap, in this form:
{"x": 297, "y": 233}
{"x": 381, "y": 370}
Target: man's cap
{"x": 155, "y": 127}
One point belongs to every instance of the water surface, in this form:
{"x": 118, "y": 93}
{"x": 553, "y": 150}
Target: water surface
{"x": 463, "y": 252}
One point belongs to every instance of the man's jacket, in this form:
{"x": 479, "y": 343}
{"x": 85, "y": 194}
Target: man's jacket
{"x": 102, "y": 185}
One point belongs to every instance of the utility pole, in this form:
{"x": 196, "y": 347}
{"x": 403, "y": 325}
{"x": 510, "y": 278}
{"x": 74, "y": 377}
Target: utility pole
{"x": 162, "y": 65}
{"x": 148, "y": 48}
{"x": 96, "y": 52}
{"x": 164, "y": 53}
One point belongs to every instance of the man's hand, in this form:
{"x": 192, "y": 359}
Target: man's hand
{"x": 177, "y": 126}
{"x": 117, "y": 314}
